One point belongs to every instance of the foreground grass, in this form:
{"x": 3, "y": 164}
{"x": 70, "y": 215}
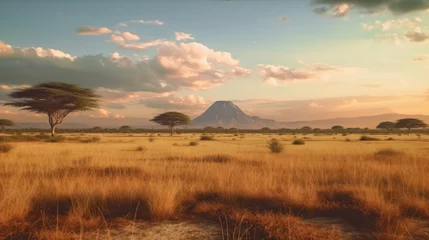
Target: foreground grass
{"x": 59, "y": 190}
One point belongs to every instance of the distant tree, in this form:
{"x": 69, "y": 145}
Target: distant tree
{"x": 233, "y": 130}
{"x": 306, "y": 129}
{"x": 6, "y": 123}
{"x": 386, "y": 125}
{"x": 265, "y": 129}
{"x": 56, "y": 99}
{"x": 316, "y": 130}
{"x": 125, "y": 128}
{"x": 172, "y": 119}
{"x": 410, "y": 123}
{"x": 220, "y": 129}
{"x": 337, "y": 128}
{"x": 208, "y": 129}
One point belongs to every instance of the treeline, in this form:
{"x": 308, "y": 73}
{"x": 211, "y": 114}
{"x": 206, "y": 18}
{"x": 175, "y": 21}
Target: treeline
{"x": 219, "y": 130}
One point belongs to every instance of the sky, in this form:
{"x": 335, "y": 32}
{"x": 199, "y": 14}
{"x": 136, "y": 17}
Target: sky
{"x": 287, "y": 60}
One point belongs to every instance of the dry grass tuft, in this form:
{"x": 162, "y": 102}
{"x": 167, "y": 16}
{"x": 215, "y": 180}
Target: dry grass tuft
{"x": 368, "y": 138}
{"x": 275, "y": 146}
{"x": 206, "y": 138}
{"x": 5, "y": 147}
{"x": 193, "y": 143}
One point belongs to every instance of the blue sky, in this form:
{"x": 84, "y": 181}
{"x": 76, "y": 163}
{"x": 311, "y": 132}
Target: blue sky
{"x": 307, "y": 57}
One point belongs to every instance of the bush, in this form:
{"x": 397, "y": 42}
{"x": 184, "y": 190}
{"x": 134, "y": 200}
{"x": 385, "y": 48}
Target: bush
{"x": 348, "y": 140}
{"x": 390, "y": 139}
{"x": 206, "y": 138}
{"x": 344, "y": 134}
{"x": 5, "y": 147}
{"x": 275, "y": 146}
{"x": 366, "y": 138}
{"x": 175, "y": 144}
{"x": 151, "y": 139}
{"x": 140, "y": 149}
{"x": 298, "y": 142}
{"x": 193, "y": 143}
{"x": 388, "y": 152}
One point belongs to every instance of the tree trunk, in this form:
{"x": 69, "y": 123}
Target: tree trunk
{"x": 53, "y": 130}
{"x": 171, "y": 130}
{"x": 409, "y": 131}
{"x": 3, "y": 128}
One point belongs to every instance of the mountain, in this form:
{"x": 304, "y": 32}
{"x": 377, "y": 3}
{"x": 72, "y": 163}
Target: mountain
{"x": 226, "y": 114}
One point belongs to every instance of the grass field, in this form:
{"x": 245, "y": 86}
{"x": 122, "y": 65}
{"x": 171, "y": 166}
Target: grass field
{"x": 373, "y": 189}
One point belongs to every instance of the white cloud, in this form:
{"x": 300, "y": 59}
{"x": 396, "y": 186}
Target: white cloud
{"x": 391, "y": 24}
{"x": 93, "y": 30}
{"x": 145, "y": 45}
{"x": 276, "y": 74}
{"x": 341, "y": 10}
{"x": 282, "y": 19}
{"x": 130, "y": 37}
{"x": 103, "y": 113}
{"x": 151, "y": 22}
{"x": 183, "y": 36}
{"x": 121, "y": 37}
{"x": 174, "y": 66}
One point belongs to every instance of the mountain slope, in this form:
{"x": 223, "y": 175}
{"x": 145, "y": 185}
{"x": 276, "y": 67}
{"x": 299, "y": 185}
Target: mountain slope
{"x": 226, "y": 114}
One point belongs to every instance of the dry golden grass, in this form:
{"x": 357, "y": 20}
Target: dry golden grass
{"x": 59, "y": 190}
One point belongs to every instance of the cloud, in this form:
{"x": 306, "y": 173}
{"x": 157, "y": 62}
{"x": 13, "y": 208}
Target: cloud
{"x": 174, "y": 66}
{"x": 121, "y": 37}
{"x": 145, "y": 45}
{"x": 390, "y": 24}
{"x": 118, "y": 106}
{"x": 173, "y": 102}
{"x": 395, "y": 6}
{"x": 33, "y": 52}
{"x": 183, "y": 36}
{"x": 341, "y": 10}
{"x": 275, "y": 74}
{"x": 417, "y": 36}
{"x": 150, "y": 22}
{"x": 103, "y": 113}
{"x": 421, "y": 58}
{"x": 282, "y": 19}
{"x": 93, "y": 30}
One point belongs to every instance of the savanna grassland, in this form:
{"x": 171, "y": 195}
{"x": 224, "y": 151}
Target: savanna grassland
{"x": 332, "y": 187}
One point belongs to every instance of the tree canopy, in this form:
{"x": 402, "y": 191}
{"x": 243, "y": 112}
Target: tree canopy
{"x": 6, "y": 123}
{"x": 386, "y": 125}
{"x": 410, "y": 123}
{"x": 56, "y": 99}
{"x": 337, "y": 128}
{"x": 172, "y": 119}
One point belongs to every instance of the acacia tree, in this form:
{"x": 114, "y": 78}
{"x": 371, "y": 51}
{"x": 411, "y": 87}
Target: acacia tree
{"x": 337, "y": 128}
{"x": 172, "y": 119}
{"x": 56, "y": 99}
{"x": 6, "y": 123}
{"x": 386, "y": 125}
{"x": 410, "y": 123}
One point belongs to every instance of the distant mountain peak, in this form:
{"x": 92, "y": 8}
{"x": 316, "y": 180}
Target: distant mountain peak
{"x": 227, "y": 114}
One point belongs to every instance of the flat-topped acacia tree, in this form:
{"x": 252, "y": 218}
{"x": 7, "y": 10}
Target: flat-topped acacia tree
{"x": 56, "y": 99}
{"x": 6, "y": 123}
{"x": 410, "y": 123}
{"x": 172, "y": 119}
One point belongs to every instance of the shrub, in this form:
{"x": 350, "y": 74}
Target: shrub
{"x": 348, "y": 140}
{"x": 175, "y": 144}
{"x": 298, "y": 142}
{"x": 151, "y": 139}
{"x": 390, "y": 139}
{"x": 275, "y": 146}
{"x": 193, "y": 143}
{"x": 140, "y": 149}
{"x": 344, "y": 134}
{"x": 388, "y": 152}
{"x": 206, "y": 138}
{"x": 366, "y": 138}
{"x": 5, "y": 147}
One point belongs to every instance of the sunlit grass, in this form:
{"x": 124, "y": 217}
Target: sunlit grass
{"x": 131, "y": 177}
